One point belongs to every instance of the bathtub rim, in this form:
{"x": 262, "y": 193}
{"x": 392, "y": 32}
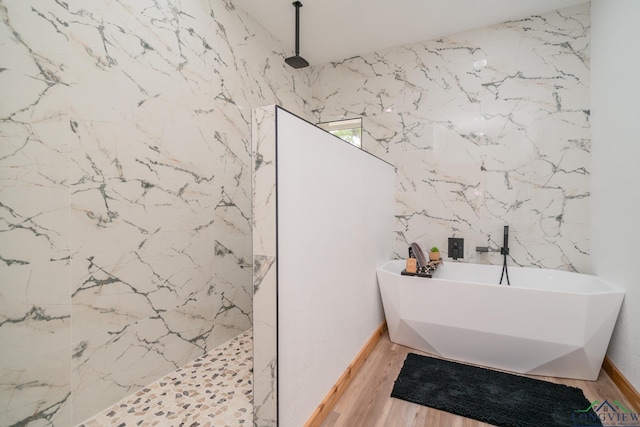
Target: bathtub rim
{"x": 606, "y": 286}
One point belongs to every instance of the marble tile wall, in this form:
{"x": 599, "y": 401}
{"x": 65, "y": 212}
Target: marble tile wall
{"x": 487, "y": 128}
{"x": 265, "y": 258}
{"x": 125, "y": 246}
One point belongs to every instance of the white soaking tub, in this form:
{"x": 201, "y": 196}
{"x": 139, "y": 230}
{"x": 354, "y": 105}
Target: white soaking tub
{"x": 548, "y": 322}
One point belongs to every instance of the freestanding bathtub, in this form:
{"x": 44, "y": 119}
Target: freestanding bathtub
{"x": 548, "y": 322}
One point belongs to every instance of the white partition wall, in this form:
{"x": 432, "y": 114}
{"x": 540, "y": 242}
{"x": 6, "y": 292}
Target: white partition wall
{"x": 334, "y": 226}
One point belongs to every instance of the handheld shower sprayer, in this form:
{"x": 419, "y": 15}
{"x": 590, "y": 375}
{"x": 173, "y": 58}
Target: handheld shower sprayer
{"x": 505, "y": 243}
{"x": 505, "y": 251}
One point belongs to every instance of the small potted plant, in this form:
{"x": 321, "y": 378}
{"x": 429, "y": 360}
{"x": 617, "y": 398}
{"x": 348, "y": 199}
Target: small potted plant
{"x": 434, "y": 254}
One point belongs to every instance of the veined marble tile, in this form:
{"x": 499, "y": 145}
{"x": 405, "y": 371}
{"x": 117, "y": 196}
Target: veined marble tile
{"x": 34, "y": 228}
{"x": 34, "y": 220}
{"x": 264, "y": 266}
{"x": 110, "y": 295}
{"x": 264, "y": 181}
{"x": 265, "y": 342}
{"x": 37, "y": 391}
{"x": 35, "y": 315}
{"x": 107, "y": 367}
{"x": 34, "y": 195}
{"x": 107, "y": 295}
{"x": 486, "y": 128}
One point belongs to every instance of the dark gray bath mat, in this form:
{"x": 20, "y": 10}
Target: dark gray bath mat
{"x": 489, "y": 396}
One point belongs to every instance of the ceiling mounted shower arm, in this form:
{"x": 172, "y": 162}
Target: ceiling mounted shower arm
{"x": 297, "y": 61}
{"x": 297, "y": 5}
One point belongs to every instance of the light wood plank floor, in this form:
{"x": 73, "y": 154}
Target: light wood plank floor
{"x": 367, "y": 402}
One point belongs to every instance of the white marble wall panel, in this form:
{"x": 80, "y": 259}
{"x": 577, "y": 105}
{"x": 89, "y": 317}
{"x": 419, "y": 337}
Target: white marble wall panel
{"x": 35, "y": 334}
{"x": 35, "y": 309}
{"x": 37, "y": 390}
{"x": 125, "y": 193}
{"x": 487, "y": 128}
{"x": 264, "y": 218}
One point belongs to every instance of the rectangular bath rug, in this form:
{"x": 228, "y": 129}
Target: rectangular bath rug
{"x": 490, "y": 396}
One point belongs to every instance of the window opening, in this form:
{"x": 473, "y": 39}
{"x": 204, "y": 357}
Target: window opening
{"x": 349, "y": 130}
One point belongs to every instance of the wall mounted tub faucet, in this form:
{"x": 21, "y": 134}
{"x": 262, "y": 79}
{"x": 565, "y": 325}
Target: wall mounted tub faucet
{"x": 486, "y": 249}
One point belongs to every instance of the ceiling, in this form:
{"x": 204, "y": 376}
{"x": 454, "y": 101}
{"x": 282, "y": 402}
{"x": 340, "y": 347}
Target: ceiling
{"x": 333, "y": 30}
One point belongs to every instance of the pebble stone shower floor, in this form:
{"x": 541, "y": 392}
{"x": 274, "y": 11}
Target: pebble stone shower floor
{"x": 215, "y": 390}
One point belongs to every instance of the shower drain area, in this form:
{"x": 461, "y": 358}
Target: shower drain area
{"x": 213, "y": 390}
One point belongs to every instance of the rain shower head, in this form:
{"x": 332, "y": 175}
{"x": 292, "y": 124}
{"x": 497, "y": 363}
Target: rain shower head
{"x": 297, "y": 61}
